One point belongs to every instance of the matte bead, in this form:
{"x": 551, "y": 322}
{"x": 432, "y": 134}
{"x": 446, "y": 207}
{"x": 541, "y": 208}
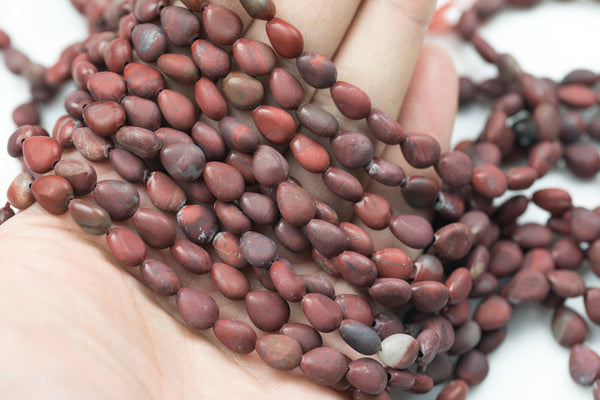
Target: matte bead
{"x": 236, "y": 335}
{"x": 119, "y": 198}
{"x": 53, "y": 193}
{"x": 159, "y": 277}
{"x": 198, "y": 309}
{"x": 155, "y": 228}
{"x": 222, "y": 26}
{"x": 279, "y": 351}
{"x": 316, "y": 70}
{"x": 127, "y": 247}
{"x": 285, "y": 38}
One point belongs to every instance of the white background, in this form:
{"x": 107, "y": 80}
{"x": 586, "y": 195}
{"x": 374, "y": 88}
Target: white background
{"x": 550, "y": 40}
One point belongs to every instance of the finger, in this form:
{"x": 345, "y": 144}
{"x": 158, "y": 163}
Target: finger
{"x": 430, "y": 107}
{"x": 378, "y": 58}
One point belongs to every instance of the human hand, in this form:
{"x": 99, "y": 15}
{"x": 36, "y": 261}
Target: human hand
{"x": 78, "y": 325}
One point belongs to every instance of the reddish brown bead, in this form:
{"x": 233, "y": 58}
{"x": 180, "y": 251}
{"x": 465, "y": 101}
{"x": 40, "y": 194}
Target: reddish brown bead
{"x": 279, "y": 351}
{"x": 355, "y": 307}
{"x": 356, "y": 269}
{"x": 198, "y": 310}
{"x": 222, "y": 26}
{"x": 177, "y": 109}
{"x": 210, "y": 141}
{"x": 90, "y": 217}
{"x": 91, "y": 146}
{"x": 16, "y": 139}
{"x": 295, "y": 204}
{"x": 428, "y": 268}
{"x": 183, "y": 161}
{"x": 269, "y": 166}
{"x": 236, "y": 335}
{"x": 358, "y": 239}
{"x": 544, "y": 156}
{"x": 420, "y": 150}
{"x": 351, "y": 149}
{"x": 289, "y": 285}
{"x": 82, "y": 72}
{"x": 155, "y": 228}
{"x": 532, "y": 235}
{"x": 317, "y": 120}
{"x": 243, "y": 91}
{"x": 178, "y": 67}
{"x": 107, "y": 86}
{"x": 374, "y": 211}
{"x": 104, "y": 117}
{"x": 412, "y": 230}
{"x": 275, "y": 124}
{"x": 149, "y": 42}
{"x": 492, "y": 313}
{"x": 393, "y": 263}
{"x": 164, "y": 192}
{"x": 459, "y": 285}
{"x": 420, "y": 191}
{"x": 141, "y": 142}
{"x": 429, "y": 296}
{"x": 584, "y": 365}
{"x": 199, "y": 223}
{"x": 180, "y": 25}
{"x": 286, "y": 89}
{"x": 227, "y": 246}
{"x": 41, "y": 153}
{"x": 505, "y": 258}
{"x": 367, "y": 375}
{"x": 285, "y": 38}
{"x": 316, "y": 283}
{"x": 391, "y": 292}
{"x": 291, "y": 236}
{"x": 127, "y": 247}
{"x": 191, "y": 256}
{"x": 324, "y": 365}
{"x": 311, "y": 155}
{"x": 352, "y": 102}
{"x": 53, "y": 193}
{"x": 489, "y": 181}
{"x": 453, "y": 241}
{"x": 455, "y": 168}
{"x": 343, "y": 184}
{"x": 568, "y": 327}
{"x": 591, "y": 301}
{"x": 385, "y": 172}
{"x": 259, "y": 250}
{"x": 582, "y": 159}
{"x": 117, "y": 54}
{"x": 472, "y": 367}
{"x": 260, "y": 208}
{"x": 159, "y": 277}
{"x": 327, "y": 238}
{"x": 254, "y": 58}
{"x": 238, "y": 135}
{"x": 585, "y": 224}
{"x": 576, "y": 95}
{"x": 527, "y": 286}
{"x": 267, "y": 310}
{"x": 120, "y": 199}
{"x": 143, "y": 80}
{"x": 316, "y": 70}
{"x": 19, "y": 192}
{"x": 213, "y": 61}
{"x": 224, "y": 181}
{"x": 324, "y": 314}
{"x": 209, "y": 99}
{"x": 142, "y": 113}
{"x": 231, "y": 282}
{"x": 63, "y": 130}
{"x": 566, "y": 283}
{"x": 519, "y": 178}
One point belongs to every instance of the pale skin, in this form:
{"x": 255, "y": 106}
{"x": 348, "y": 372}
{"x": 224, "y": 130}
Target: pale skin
{"x": 78, "y": 325}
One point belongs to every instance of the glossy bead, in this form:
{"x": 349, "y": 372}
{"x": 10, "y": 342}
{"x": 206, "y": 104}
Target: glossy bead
{"x": 429, "y": 296}
{"x": 390, "y": 292}
{"x": 275, "y": 124}
{"x": 19, "y": 192}
{"x": 180, "y": 25}
{"x": 412, "y": 230}
{"x": 177, "y": 109}
{"x": 127, "y": 247}
{"x": 141, "y": 142}
{"x": 209, "y": 140}
{"x": 164, "y": 192}
{"x": 104, "y": 117}
{"x": 107, "y": 86}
